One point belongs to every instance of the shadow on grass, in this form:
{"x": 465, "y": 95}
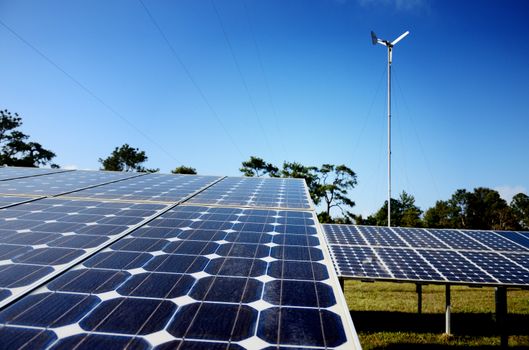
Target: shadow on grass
{"x": 470, "y": 324}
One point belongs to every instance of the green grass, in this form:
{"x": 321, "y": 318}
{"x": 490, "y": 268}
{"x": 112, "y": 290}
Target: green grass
{"x": 385, "y": 316}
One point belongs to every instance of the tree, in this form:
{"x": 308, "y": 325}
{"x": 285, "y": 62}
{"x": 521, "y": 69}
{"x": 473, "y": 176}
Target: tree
{"x": 404, "y": 213}
{"x": 126, "y": 158}
{"x": 16, "y": 150}
{"x": 520, "y": 208}
{"x": 334, "y": 182}
{"x": 441, "y": 215}
{"x": 184, "y": 170}
{"x": 486, "y": 210}
{"x": 258, "y": 167}
{"x": 482, "y": 209}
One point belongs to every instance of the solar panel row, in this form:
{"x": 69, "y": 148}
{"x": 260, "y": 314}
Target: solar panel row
{"x": 186, "y": 277}
{"x": 429, "y": 255}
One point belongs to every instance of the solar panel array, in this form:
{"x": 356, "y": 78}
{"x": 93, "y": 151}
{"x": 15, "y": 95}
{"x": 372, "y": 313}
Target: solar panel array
{"x": 430, "y": 255}
{"x": 159, "y": 261}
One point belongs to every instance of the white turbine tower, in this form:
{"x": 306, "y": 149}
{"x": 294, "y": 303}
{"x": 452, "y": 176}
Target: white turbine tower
{"x": 389, "y": 45}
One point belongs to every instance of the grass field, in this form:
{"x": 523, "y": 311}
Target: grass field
{"x": 385, "y": 316}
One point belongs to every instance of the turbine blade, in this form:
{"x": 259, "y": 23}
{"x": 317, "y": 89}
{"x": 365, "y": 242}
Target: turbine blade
{"x": 400, "y": 38}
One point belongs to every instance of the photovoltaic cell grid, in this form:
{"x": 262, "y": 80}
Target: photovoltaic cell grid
{"x": 430, "y": 255}
{"x": 195, "y": 277}
{"x": 7, "y": 173}
{"x": 257, "y": 192}
{"x": 44, "y": 237}
{"x": 58, "y": 183}
{"x": 150, "y": 187}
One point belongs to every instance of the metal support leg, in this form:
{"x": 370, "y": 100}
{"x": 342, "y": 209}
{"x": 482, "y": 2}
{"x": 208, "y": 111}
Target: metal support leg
{"x": 342, "y": 283}
{"x": 448, "y": 310}
{"x": 501, "y": 314}
{"x": 419, "y": 298}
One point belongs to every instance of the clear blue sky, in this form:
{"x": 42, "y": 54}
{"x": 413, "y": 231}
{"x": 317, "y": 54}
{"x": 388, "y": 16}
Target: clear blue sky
{"x": 317, "y": 86}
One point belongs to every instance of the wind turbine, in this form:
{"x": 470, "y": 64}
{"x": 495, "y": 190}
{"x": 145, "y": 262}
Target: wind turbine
{"x": 375, "y": 40}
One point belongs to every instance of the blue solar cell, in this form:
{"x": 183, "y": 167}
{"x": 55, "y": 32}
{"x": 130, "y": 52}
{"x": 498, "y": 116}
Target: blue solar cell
{"x": 191, "y": 247}
{"x": 298, "y": 293}
{"x": 18, "y": 338}
{"x": 19, "y": 275}
{"x": 9, "y": 251}
{"x": 157, "y": 285}
{"x": 100, "y": 341}
{"x": 177, "y": 263}
{"x": 314, "y": 328}
{"x": 245, "y": 250}
{"x": 298, "y": 270}
{"x": 227, "y": 289}
{"x": 194, "y": 345}
{"x": 108, "y": 317}
{"x": 78, "y": 241}
{"x": 89, "y": 281}
{"x": 49, "y": 256}
{"x": 47, "y": 310}
{"x": 117, "y": 260}
{"x": 140, "y": 244}
{"x": 236, "y": 267}
{"x": 214, "y": 321}
{"x": 297, "y": 253}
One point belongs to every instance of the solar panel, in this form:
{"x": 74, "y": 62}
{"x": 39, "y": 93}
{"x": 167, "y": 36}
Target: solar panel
{"x": 257, "y": 192}
{"x": 194, "y": 277}
{"x": 8, "y": 173}
{"x": 62, "y": 182}
{"x": 123, "y": 264}
{"x": 42, "y": 238}
{"x": 429, "y": 255}
{"x": 150, "y": 187}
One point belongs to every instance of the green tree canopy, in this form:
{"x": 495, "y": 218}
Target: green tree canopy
{"x": 184, "y": 170}
{"x": 15, "y": 147}
{"x": 482, "y": 209}
{"x": 126, "y": 158}
{"x": 256, "y": 166}
{"x": 404, "y": 213}
{"x": 334, "y": 182}
{"x": 520, "y": 208}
